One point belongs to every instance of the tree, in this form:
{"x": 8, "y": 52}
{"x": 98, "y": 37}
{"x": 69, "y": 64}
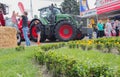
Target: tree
{"x": 70, "y": 7}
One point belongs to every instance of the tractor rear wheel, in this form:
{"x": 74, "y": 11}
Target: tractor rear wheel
{"x": 65, "y": 31}
{"x": 33, "y": 33}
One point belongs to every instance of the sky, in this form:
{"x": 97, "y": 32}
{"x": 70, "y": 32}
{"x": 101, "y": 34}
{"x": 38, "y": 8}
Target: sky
{"x": 37, "y": 4}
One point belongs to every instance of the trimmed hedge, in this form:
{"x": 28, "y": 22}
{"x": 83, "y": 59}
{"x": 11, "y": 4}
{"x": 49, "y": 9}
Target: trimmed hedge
{"x": 66, "y": 66}
{"x": 102, "y": 44}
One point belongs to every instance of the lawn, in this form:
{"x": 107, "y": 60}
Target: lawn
{"x": 18, "y": 63}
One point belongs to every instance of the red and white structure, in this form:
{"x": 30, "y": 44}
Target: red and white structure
{"x": 106, "y": 6}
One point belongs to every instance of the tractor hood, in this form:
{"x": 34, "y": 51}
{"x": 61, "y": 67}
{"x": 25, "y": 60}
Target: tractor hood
{"x": 67, "y": 17}
{"x": 63, "y": 15}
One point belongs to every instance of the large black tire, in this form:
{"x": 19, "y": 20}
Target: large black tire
{"x": 65, "y": 31}
{"x": 79, "y": 36}
{"x": 82, "y": 37}
{"x": 18, "y": 39}
{"x": 33, "y": 33}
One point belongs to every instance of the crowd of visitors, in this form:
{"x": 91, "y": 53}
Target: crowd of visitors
{"x": 107, "y": 29}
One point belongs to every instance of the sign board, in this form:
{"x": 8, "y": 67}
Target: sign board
{"x": 100, "y": 3}
{"x": 106, "y": 6}
{"x": 89, "y": 13}
{"x": 87, "y": 8}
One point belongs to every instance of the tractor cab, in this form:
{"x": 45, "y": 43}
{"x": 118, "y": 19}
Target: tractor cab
{"x": 48, "y": 14}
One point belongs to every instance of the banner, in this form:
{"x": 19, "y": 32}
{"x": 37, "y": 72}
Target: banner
{"x": 100, "y": 3}
{"x": 83, "y": 5}
{"x": 20, "y": 5}
{"x": 87, "y": 8}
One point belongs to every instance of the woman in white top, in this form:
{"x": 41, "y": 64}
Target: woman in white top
{"x": 108, "y": 28}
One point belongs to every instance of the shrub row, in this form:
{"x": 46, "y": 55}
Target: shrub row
{"x": 52, "y": 46}
{"x": 66, "y": 66}
{"x": 102, "y": 44}
{"x": 109, "y": 45}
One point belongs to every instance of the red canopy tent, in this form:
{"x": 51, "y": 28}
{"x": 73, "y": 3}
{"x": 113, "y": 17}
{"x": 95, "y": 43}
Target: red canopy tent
{"x": 106, "y": 6}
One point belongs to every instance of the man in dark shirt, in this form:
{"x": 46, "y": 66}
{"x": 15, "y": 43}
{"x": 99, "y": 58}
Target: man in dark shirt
{"x": 38, "y": 30}
{"x": 25, "y": 28}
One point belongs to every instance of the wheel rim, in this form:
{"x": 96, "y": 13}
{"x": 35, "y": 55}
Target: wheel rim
{"x": 18, "y": 38}
{"x": 34, "y": 33}
{"x": 65, "y": 31}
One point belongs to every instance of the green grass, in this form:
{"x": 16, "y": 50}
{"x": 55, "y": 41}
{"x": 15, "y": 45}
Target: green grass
{"x": 18, "y": 63}
{"x": 92, "y": 56}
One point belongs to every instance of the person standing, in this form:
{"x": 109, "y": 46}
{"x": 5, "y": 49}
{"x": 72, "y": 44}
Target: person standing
{"x": 90, "y": 30}
{"x": 119, "y": 28}
{"x": 25, "y": 27}
{"x": 14, "y": 20}
{"x": 108, "y": 28}
{"x": 38, "y": 30}
{"x": 116, "y": 27}
{"x": 100, "y": 29}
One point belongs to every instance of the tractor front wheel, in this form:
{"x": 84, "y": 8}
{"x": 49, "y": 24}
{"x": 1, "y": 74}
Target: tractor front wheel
{"x": 65, "y": 31}
{"x": 34, "y": 35}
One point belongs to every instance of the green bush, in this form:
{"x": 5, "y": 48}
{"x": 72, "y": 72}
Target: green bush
{"x": 62, "y": 65}
{"x": 40, "y": 57}
{"x": 65, "y": 65}
{"x": 52, "y": 46}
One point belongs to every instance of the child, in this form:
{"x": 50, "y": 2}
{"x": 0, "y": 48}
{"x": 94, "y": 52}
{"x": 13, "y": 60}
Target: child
{"x": 38, "y": 30}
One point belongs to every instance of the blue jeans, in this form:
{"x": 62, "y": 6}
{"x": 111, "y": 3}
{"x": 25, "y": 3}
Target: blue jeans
{"x": 25, "y": 33}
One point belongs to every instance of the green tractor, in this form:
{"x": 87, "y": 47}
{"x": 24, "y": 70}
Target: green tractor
{"x": 56, "y": 26}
